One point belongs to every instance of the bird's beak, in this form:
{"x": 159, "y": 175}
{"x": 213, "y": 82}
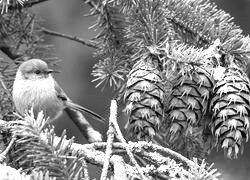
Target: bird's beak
{"x": 52, "y": 71}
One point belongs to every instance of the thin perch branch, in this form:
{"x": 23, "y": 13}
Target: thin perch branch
{"x": 110, "y": 139}
{"x": 120, "y": 137}
{"x": 127, "y": 147}
{"x": 138, "y": 146}
{"x": 66, "y": 36}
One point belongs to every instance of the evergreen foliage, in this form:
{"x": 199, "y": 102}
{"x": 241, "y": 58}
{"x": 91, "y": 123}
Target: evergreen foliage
{"x": 46, "y": 156}
{"x": 184, "y": 37}
{"x": 38, "y": 151}
{"x": 179, "y": 66}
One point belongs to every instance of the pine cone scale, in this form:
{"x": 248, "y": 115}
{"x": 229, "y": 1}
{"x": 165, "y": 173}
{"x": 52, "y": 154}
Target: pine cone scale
{"x": 231, "y": 111}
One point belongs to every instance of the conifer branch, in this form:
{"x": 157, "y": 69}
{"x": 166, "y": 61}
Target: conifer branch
{"x": 21, "y": 37}
{"x": 122, "y": 140}
{"x": 36, "y": 141}
{"x": 26, "y": 4}
{"x": 137, "y": 146}
{"x": 73, "y": 38}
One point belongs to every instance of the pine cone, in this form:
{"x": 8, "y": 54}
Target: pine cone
{"x": 144, "y": 96}
{"x": 188, "y": 101}
{"x": 230, "y": 107}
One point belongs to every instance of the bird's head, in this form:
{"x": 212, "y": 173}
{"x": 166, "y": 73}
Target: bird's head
{"x": 34, "y": 69}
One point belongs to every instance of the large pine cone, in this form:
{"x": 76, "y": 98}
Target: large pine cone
{"x": 188, "y": 101}
{"x": 144, "y": 97}
{"x": 231, "y": 107}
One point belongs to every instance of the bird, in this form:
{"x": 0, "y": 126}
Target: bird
{"x": 34, "y": 87}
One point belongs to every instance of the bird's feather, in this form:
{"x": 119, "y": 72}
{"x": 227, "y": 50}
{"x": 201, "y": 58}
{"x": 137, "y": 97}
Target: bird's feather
{"x": 68, "y": 103}
{"x": 77, "y": 107}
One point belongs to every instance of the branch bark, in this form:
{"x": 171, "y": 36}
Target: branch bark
{"x": 139, "y": 146}
{"x": 116, "y": 129}
{"x": 66, "y": 36}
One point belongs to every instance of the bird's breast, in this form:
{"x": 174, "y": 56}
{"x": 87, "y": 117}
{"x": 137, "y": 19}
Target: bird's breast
{"x": 38, "y": 94}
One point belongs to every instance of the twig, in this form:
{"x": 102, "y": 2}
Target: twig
{"x": 170, "y": 152}
{"x": 92, "y": 4}
{"x": 127, "y": 146}
{"x": 5, "y": 152}
{"x": 26, "y": 4}
{"x": 7, "y": 48}
{"x": 93, "y": 154}
{"x": 110, "y": 139}
{"x": 96, "y": 157}
{"x": 138, "y": 146}
{"x": 66, "y": 36}
{"x": 21, "y": 36}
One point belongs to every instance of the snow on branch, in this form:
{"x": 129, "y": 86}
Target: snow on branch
{"x": 40, "y": 147}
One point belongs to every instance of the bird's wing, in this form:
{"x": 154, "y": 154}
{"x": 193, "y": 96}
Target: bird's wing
{"x": 68, "y": 103}
{"x": 60, "y": 93}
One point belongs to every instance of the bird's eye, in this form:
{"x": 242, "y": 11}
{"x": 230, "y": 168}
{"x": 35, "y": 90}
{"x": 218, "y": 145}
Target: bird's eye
{"x": 37, "y": 71}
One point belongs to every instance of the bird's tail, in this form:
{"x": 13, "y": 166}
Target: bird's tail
{"x": 77, "y": 107}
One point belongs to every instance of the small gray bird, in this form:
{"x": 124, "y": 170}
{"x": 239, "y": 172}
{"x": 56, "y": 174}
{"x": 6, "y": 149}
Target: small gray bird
{"x": 35, "y": 87}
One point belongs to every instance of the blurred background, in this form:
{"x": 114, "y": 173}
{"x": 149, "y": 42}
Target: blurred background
{"x": 77, "y": 61}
